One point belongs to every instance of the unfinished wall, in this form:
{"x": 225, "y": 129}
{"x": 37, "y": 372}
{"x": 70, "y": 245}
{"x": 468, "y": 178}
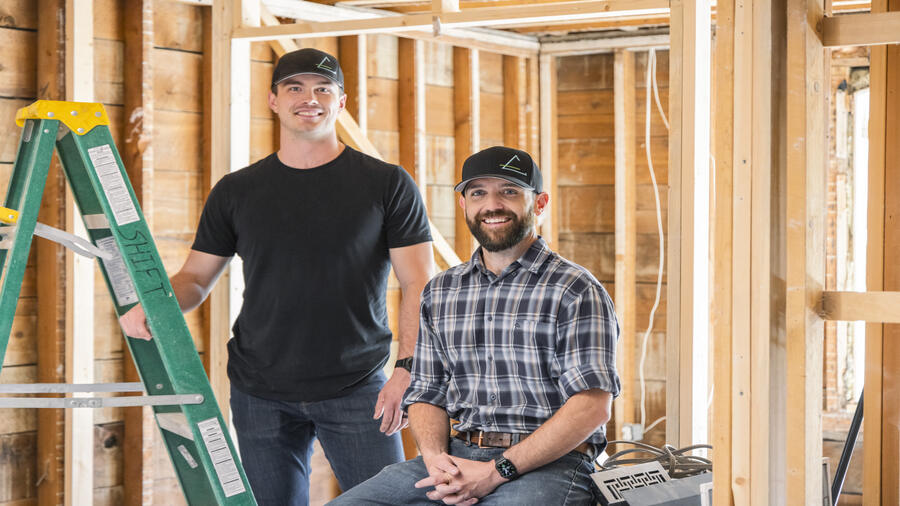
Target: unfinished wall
{"x": 586, "y": 196}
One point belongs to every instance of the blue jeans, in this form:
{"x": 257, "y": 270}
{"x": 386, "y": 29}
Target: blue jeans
{"x": 276, "y": 441}
{"x": 566, "y": 481}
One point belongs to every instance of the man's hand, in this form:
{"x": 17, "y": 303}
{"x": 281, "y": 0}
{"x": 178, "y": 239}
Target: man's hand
{"x": 388, "y": 405}
{"x": 134, "y": 323}
{"x": 471, "y": 481}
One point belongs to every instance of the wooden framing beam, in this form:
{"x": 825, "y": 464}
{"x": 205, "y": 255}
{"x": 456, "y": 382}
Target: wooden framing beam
{"x": 411, "y": 109}
{"x": 806, "y": 84}
{"x": 51, "y": 264}
{"x": 722, "y": 254}
{"x": 482, "y": 17}
{"x": 532, "y": 110}
{"x": 626, "y": 234}
{"x": 442, "y": 6}
{"x": 79, "y": 74}
{"x": 497, "y": 41}
{"x": 874, "y": 307}
{"x": 881, "y": 479}
{"x": 514, "y": 97}
{"x": 604, "y": 45}
{"x": 687, "y": 281}
{"x": 353, "y": 55}
{"x": 549, "y": 138}
{"x": 861, "y": 29}
{"x": 137, "y": 155}
{"x": 467, "y": 121}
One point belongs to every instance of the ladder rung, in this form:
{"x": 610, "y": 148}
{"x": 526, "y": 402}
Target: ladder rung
{"x": 100, "y": 402}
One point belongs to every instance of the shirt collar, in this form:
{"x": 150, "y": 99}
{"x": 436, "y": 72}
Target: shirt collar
{"x": 532, "y": 260}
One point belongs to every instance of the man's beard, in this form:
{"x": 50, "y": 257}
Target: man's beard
{"x": 516, "y": 230}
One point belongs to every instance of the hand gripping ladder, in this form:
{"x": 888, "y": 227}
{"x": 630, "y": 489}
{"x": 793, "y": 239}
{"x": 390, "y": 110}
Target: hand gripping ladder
{"x": 172, "y": 375}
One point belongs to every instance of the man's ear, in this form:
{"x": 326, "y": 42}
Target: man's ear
{"x": 272, "y": 98}
{"x": 540, "y": 202}
{"x": 462, "y": 202}
{"x": 343, "y": 101}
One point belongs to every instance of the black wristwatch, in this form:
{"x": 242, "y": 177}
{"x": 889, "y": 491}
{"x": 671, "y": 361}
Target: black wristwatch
{"x": 405, "y": 363}
{"x": 506, "y": 468}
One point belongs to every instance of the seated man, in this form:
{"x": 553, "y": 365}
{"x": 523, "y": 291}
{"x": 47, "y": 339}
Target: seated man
{"x": 518, "y": 344}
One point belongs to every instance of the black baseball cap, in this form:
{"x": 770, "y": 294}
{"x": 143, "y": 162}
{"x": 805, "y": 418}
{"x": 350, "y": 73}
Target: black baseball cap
{"x": 513, "y": 165}
{"x": 308, "y": 61}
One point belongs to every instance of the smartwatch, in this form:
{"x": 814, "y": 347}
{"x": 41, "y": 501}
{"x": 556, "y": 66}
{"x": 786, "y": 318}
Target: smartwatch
{"x": 405, "y": 363}
{"x": 506, "y": 468}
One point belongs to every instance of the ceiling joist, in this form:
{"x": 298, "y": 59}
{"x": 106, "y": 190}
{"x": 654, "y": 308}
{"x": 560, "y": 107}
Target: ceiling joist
{"x": 481, "y": 17}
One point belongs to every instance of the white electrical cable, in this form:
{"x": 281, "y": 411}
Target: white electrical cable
{"x": 651, "y": 73}
{"x": 659, "y": 106}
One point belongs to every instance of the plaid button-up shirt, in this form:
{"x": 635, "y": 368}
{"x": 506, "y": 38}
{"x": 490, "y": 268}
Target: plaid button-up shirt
{"x": 504, "y": 353}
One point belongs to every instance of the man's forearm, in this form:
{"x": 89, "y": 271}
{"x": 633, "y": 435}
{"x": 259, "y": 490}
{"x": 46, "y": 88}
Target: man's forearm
{"x": 188, "y": 293}
{"x": 408, "y": 321}
{"x": 578, "y": 418}
{"x": 431, "y": 427}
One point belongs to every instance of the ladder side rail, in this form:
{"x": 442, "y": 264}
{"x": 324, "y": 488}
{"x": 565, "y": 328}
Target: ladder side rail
{"x": 26, "y": 186}
{"x": 168, "y": 364}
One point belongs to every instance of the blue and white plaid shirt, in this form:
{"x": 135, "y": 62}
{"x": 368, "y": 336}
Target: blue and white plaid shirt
{"x": 504, "y": 353}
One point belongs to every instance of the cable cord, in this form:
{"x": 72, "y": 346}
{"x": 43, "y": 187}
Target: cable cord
{"x": 651, "y": 75}
{"x": 678, "y": 462}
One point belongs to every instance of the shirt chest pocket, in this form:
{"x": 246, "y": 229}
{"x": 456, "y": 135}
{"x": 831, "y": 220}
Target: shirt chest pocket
{"x": 536, "y": 334}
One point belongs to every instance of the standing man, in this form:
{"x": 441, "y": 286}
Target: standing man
{"x": 318, "y": 226}
{"x": 518, "y": 344}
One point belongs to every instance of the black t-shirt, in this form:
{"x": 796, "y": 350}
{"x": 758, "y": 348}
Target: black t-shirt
{"x": 314, "y": 243}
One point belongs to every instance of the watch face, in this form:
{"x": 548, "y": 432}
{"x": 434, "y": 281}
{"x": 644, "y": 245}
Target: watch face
{"x": 506, "y": 468}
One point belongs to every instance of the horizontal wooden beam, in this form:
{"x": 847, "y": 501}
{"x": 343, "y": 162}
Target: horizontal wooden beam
{"x": 482, "y": 17}
{"x": 604, "y": 45}
{"x": 862, "y": 29}
{"x": 874, "y": 307}
{"x": 497, "y": 41}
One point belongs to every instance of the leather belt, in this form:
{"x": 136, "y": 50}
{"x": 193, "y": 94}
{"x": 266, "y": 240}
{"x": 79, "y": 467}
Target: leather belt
{"x": 506, "y": 439}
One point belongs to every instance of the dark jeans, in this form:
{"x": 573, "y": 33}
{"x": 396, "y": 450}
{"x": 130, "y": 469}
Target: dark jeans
{"x": 276, "y": 441}
{"x": 564, "y": 482}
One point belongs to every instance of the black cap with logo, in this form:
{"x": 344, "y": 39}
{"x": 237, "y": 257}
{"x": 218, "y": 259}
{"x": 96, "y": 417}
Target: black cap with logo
{"x": 513, "y": 165}
{"x": 308, "y": 61}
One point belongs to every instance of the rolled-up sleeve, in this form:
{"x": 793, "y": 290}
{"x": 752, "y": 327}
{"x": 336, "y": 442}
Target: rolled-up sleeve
{"x": 430, "y": 374}
{"x": 587, "y": 332}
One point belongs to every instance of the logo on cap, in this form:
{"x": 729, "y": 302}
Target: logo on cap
{"x": 322, "y": 65}
{"x": 512, "y": 168}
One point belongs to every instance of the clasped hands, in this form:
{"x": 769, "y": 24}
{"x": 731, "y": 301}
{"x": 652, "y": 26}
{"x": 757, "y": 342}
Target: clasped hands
{"x": 457, "y": 480}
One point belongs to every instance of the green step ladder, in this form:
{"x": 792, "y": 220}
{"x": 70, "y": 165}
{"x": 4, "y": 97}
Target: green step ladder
{"x": 172, "y": 376}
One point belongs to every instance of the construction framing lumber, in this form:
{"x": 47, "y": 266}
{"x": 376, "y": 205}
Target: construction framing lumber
{"x": 137, "y": 155}
{"x": 721, "y": 324}
{"x": 79, "y": 428}
{"x": 874, "y": 307}
{"x": 225, "y": 14}
{"x": 549, "y": 138}
{"x": 467, "y": 119}
{"x": 687, "y": 283}
{"x": 861, "y": 29}
{"x": 604, "y": 45}
{"x": 473, "y": 38}
{"x": 50, "y": 258}
{"x": 881, "y": 446}
{"x": 353, "y": 53}
{"x": 806, "y": 84}
{"x": 626, "y": 232}
{"x": 411, "y": 110}
{"x": 514, "y": 97}
{"x": 481, "y": 17}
